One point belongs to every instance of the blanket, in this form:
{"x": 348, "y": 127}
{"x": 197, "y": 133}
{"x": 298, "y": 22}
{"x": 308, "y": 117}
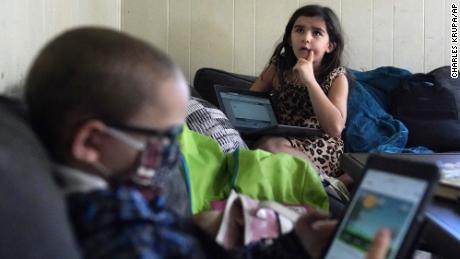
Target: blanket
{"x": 211, "y": 174}
{"x": 370, "y": 127}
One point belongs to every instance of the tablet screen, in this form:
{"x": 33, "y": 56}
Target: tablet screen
{"x": 383, "y": 200}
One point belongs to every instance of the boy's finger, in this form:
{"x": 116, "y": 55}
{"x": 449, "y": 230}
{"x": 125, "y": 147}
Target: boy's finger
{"x": 314, "y": 215}
{"x": 326, "y": 225}
{"x": 379, "y": 246}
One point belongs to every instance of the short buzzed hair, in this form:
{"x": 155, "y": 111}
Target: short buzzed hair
{"x": 91, "y": 73}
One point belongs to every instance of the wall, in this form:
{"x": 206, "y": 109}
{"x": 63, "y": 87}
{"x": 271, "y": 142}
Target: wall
{"x": 235, "y": 35}
{"x": 26, "y": 25}
{"x": 240, "y": 35}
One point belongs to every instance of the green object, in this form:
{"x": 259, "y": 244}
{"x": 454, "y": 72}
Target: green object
{"x": 258, "y": 174}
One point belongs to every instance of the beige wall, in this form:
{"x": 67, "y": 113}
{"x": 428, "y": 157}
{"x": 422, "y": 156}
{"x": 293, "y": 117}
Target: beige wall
{"x": 235, "y": 35}
{"x": 26, "y": 25}
{"x": 239, "y": 35}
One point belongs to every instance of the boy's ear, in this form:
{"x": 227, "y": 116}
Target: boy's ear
{"x": 331, "y": 47}
{"x": 86, "y": 143}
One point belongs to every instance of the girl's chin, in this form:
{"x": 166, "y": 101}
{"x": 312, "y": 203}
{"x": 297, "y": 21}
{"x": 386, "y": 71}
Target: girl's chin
{"x": 302, "y": 54}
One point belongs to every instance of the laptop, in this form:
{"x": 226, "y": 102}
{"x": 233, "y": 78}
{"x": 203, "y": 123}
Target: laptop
{"x": 252, "y": 113}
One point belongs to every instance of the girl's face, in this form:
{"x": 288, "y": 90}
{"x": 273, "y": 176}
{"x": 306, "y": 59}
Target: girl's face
{"x": 310, "y": 34}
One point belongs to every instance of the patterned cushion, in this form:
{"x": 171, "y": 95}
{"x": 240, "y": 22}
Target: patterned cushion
{"x": 206, "y": 119}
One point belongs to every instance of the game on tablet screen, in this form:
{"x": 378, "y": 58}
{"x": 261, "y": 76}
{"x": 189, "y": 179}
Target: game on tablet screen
{"x": 383, "y": 201}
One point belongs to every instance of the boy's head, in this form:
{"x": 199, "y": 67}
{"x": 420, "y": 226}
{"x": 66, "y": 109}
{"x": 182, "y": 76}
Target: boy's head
{"x": 89, "y": 83}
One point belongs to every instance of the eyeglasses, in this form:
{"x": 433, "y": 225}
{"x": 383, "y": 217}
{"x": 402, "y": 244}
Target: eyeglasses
{"x": 160, "y": 150}
{"x": 167, "y": 137}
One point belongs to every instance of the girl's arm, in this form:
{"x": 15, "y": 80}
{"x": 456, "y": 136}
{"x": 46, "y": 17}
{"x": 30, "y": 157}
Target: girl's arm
{"x": 264, "y": 82}
{"x": 331, "y": 110}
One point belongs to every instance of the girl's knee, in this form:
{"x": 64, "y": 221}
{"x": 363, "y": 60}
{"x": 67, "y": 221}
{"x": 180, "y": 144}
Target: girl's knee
{"x": 273, "y": 144}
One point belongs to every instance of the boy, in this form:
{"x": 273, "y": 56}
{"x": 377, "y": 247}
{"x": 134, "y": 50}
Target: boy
{"x": 108, "y": 108}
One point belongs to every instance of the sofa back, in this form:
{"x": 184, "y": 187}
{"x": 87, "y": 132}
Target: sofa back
{"x": 33, "y": 218}
{"x": 206, "y": 78}
{"x": 377, "y": 85}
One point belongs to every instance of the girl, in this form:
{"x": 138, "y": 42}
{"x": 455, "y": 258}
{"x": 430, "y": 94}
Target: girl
{"x": 309, "y": 87}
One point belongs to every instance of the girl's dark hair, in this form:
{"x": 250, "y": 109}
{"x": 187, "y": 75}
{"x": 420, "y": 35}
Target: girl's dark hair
{"x": 284, "y": 56}
{"x": 91, "y": 73}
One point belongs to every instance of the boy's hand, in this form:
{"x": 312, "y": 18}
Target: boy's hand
{"x": 304, "y": 69}
{"x": 380, "y": 245}
{"x": 314, "y": 231}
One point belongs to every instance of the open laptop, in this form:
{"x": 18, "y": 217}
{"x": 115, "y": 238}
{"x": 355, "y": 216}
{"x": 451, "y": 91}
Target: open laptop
{"x": 252, "y": 113}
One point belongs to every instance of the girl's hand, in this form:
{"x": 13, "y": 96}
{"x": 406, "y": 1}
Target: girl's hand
{"x": 304, "y": 69}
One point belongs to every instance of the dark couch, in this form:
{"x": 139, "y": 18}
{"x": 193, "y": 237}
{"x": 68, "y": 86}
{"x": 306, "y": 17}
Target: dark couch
{"x": 32, "y": 212}
{"x": 206, "y": 78}
{"x": 32, "y": 215}
{"x": 437, "y": 135}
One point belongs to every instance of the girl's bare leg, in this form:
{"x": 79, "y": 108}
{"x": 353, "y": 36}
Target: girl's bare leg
{"x": 282, "y": 145}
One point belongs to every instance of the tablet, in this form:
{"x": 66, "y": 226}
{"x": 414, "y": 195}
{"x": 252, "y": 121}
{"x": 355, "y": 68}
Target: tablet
{"x": 392, "y": 194}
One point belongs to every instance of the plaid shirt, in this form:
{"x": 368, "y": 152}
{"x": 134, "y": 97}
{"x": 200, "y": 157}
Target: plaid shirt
{"x": 121, "y": 223}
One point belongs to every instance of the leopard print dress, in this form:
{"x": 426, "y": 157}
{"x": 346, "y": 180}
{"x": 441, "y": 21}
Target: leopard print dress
{"x": 294, "y": 107}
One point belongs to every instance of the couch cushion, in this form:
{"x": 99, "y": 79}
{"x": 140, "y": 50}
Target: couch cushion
{"x": 206, "y": 78}
{"x": 32, "y": 212}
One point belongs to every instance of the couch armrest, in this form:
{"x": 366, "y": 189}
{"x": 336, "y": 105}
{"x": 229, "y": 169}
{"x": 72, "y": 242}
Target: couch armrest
{"x": 33, "y": 218}
{"x": 206, "y": 78}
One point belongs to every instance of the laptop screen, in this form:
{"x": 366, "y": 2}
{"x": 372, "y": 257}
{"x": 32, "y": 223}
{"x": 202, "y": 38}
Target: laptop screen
{"x": 246, "y": 111}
